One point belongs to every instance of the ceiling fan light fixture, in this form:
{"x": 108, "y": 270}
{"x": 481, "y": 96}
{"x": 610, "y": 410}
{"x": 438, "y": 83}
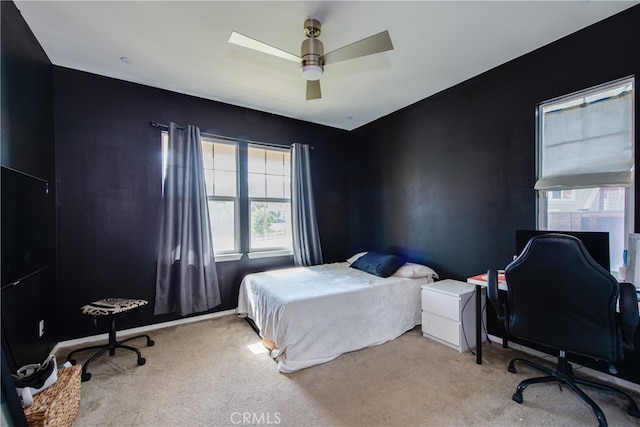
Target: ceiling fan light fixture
{"x": 312, "y": 58}
{"x": 311, "y": 72}
{"x": 311, "y": 52}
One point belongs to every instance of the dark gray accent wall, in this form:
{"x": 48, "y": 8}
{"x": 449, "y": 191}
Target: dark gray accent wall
{"x": 448, "y": 180}
{"x": 109, "y": 173}
{"x": 451, "y": 177}
{"x": 27, "y": 146}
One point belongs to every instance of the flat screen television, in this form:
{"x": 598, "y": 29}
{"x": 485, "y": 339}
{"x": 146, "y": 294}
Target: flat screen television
{"x": 596, "y": 242}
{"x": 24, "y": 226}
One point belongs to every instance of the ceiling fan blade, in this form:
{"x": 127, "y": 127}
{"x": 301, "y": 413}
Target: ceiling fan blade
{"x": 377, "y": 43}
{"x": 313, "y": 89}
{"x": 248, "y": 42}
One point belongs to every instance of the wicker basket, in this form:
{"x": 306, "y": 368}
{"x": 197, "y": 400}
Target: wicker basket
{"x": 58, "y": 405}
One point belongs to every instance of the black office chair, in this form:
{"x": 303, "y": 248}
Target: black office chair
{"x": 558, "y": 296}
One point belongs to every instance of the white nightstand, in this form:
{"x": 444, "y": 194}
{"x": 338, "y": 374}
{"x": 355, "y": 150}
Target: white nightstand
{"x": 449, "y": 313}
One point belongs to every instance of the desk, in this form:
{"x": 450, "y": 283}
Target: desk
{"x": 480, "y": 281}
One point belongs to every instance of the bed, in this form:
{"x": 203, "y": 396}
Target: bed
{"x": 311, "y": 315}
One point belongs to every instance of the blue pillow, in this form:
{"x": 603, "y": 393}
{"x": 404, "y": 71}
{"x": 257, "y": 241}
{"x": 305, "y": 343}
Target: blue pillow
{"x": 377, "y": 263}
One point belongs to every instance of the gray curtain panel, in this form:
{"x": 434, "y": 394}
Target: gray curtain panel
{"x": 187, "y": 280}
{"x": 306, "y": 240}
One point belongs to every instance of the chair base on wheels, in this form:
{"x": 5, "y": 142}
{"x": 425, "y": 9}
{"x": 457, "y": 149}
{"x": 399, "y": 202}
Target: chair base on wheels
{"x": 563, "y": 374}
{"x": 112, "y": 309}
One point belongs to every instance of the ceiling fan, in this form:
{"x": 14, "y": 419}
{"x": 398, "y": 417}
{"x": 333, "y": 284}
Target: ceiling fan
{"x": 312, "y": 58}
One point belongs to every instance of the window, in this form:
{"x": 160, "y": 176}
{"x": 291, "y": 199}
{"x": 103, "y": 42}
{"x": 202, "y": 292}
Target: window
{"x": 267, "y": 181}
{"x": 586, "y": 162}
{"x": 269, "y": 198}
{"x": 220, "y": 162}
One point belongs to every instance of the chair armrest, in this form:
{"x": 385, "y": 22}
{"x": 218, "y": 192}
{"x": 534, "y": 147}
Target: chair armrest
{"x": 629, "y": 317}
{"x": 492, "y": 292}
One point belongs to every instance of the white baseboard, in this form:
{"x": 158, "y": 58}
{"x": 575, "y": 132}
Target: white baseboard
{"x": 592, "y": 372}
{"x": 140, "y": 330}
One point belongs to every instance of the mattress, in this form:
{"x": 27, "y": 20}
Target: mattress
{"x": 312, "y": 315}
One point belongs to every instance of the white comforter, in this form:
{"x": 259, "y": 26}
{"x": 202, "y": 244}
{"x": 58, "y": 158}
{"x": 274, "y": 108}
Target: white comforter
{"x": 314, "y": 314}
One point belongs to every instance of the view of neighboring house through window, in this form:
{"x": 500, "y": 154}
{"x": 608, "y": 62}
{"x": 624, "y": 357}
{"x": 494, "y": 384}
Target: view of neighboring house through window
{"x": 586, "y": 162}
{"x": 268, "y": 185}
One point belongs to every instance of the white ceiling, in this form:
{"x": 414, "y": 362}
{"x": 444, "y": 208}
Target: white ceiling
{"x": 183, "y": 46}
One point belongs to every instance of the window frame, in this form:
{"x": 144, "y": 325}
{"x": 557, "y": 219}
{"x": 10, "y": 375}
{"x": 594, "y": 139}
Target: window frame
{"x": 235, "y": 253}
{"x": 254, "y": 253}
{"x": 542, "y": 199}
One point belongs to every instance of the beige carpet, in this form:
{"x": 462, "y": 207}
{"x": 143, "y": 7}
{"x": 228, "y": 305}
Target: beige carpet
{"x": 205, "y": 374}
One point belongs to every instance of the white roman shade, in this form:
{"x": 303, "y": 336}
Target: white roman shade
{"x": 588, "y": 141}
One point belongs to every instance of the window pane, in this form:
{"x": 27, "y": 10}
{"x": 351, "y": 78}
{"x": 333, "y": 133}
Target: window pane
{"x": 275, "y": 162}
{"x": 275, "y": 187}
{"x": 207, "y": 155}
{"x": 225, "y": 157}
{"x": 287, "y": 187}
{"x": 592, "y": 209}
{"x": 209, "y": 183}
{"x": 225, "y": 183}
{"x": 287, "y": 164}
{"x": 257, "y": 185}
{"x": 256, "y": 160}
{"x": 220, "y": 168}
{"x": 221, "y": 217}
{"x": 270, "y": 225}
{"x": 220, "y": 183}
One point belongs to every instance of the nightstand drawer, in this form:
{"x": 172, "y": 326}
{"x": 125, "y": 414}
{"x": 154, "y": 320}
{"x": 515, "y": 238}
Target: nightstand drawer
{"x": 441, "y": 328}
{"x": 441, "y": 304}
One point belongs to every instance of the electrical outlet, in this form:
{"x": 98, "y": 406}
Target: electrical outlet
{"x": 41, "y": 328}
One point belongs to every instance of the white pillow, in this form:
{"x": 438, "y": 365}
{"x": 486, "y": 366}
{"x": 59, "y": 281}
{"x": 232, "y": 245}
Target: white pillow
{"x": 415, "y": 271}
{"x": 355, "y": 257}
